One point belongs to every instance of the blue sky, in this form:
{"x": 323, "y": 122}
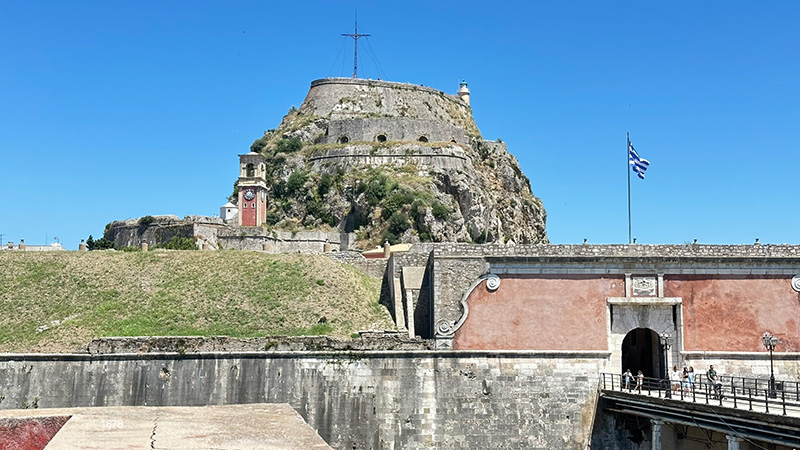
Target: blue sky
{"x": 112, "y": 110}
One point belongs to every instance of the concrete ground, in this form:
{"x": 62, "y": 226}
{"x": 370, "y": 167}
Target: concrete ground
{"x": 251, "y": 426}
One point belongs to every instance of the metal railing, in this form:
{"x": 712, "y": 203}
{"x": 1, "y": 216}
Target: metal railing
{"x": 752, "y": 394}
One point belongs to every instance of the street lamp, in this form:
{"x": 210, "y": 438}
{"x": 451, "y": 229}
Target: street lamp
{"x": 666, "y": 342}
{"x": 770, "y": 342}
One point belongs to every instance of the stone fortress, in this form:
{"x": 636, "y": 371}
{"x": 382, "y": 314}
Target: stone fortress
{"x": 500, "y": 345}
{"x": 425, "y": 141}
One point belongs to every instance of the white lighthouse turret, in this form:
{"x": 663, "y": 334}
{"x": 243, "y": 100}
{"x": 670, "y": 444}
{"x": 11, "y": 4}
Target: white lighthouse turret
{"x": 463, "y": 91}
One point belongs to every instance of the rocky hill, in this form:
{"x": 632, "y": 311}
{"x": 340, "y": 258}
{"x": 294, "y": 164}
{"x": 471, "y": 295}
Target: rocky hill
{"x": 396, "y": 162}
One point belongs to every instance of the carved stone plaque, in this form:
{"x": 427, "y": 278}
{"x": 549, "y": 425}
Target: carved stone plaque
{"x": 644, "y": 286}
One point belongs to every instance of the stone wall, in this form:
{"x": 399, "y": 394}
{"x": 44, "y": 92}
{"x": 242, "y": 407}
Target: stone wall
{"x": 254, "y": 238}
{"x": 356, "y": 400}
{"x": 392, "y": 129}
{"x": 441, "y": 157}
{"x": 348, "y": 98}
{"x": 135, "y": 232}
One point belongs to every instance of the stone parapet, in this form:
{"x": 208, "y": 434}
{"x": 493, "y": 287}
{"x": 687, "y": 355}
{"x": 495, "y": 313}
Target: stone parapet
{"x": 582, "y": 252}
{"x": 371, "y": 399}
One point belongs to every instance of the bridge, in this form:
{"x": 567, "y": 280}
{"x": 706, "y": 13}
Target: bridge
{"x": 749, "y": 412}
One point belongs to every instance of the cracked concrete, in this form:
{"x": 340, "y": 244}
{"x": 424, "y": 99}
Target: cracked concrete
{"x": 257, "y": 426}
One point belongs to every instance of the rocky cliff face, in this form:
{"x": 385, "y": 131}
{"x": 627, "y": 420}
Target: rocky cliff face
{"x": 396, "y": 162}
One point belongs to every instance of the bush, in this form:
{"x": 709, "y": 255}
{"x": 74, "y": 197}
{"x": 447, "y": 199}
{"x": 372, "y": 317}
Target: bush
{"x": 258, "y": 145}
{"x": 399, "y": 223}
{"x": 395, "y": 201}
{"x": 272, "y": 218}
{"x": 440, "y": 211}
{"x": 100, "y": 244}
{"x": 325, "y": 183}
{"x": 296, "y": 182}
{"x": 377, "y": 187}
{"x": 146, "y": 220}
{"x": 289, "y": 145}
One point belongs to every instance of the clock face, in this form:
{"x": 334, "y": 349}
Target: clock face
{"x": 249, "y": 194}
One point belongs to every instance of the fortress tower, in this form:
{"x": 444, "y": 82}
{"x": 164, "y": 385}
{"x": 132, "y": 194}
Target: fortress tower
{"x": 395, "y": 162}
{"x": 252, "y": 190}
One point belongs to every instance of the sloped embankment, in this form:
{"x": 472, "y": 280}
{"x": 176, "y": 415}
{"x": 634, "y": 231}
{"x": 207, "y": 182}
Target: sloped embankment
{"x": 60, "y": 301}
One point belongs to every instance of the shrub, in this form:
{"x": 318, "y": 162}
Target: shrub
{"x": 399, "y": 223}
{"x": 395, "y": 201}
{"x": 289, "y": 145}
{"x": 325, "y": 183}
{"x": 296, "y": 182}
{"x": 146, "y": 220}
{"x": 440, "y": 211}
{"x": 272, "y": 218}
{"x": 100, "y": 244}
{"x": 377, "y": 187}
{"x": 258, "y": 145}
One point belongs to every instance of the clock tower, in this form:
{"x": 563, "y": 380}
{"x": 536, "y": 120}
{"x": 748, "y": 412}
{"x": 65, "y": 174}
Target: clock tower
{"x": 252, "y": 190}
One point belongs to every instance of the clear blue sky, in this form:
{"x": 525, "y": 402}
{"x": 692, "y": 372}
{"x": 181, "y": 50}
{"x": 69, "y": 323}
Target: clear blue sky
{"x": 112, "y": 110}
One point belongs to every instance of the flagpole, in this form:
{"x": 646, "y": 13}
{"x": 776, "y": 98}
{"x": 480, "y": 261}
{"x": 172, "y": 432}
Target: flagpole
{"x": 627, "y": 167}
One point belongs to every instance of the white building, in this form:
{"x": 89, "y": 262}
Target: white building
{"x": 228, "y": 211}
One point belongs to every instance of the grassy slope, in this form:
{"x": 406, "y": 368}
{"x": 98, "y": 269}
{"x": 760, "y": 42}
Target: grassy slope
{"x": 178, "y": 293}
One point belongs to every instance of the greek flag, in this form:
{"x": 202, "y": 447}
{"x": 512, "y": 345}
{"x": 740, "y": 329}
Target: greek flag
{"x": 639, "y": 165}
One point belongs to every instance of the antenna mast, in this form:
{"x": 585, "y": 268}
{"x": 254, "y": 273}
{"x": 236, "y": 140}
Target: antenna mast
{"x": 355, "y": 37}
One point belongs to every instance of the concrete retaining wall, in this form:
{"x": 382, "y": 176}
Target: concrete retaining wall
{"x": 375, "y": 400}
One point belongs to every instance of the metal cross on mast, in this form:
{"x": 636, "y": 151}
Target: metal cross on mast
{"x": 355, "y": 37}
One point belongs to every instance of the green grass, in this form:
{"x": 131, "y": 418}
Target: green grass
{"x": 239, "y": 294}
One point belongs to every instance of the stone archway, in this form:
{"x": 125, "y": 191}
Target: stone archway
{"x": 641, "y": 351}
{"x": 657, "y": 315}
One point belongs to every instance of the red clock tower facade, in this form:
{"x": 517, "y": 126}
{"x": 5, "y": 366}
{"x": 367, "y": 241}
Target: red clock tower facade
{"x": 252, "y": 190}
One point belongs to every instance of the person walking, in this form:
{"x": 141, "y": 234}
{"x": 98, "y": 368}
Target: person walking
{"x": 627, "y": 379}
{"x": 639, "y": 381}
{"x": 675, "y": 379}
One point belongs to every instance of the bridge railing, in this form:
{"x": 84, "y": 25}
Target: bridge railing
{"x": 752, "y": 394}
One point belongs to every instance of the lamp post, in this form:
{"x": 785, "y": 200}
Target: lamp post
{"x": 770, "y": 342}
{"x": 666, "y": 342}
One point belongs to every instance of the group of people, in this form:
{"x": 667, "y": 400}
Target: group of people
{"x": 682, "y": 380}
{"x": 679, "y": 380}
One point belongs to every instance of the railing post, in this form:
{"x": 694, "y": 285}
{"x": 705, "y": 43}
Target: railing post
{"x": 694, "y": 393}
{"x": 612, "y": 383}
{"x": 783, "y": 400}
{"x": 733, "y": 393}
{"x": 705, "y": 389}
{"x": 750, "y": 397}
{"x": 766, "y": 399}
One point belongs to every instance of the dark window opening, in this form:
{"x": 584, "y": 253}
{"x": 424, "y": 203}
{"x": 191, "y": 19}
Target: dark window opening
{"x": 250, "y": 170}
{"x": 344, "y": 139}
{"x": 423, "y": 139}
{"x": 453, "y": 141}
{"x": 381, "y": 138}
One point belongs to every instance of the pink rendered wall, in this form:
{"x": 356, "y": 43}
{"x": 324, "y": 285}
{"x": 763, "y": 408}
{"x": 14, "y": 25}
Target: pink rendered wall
{"x": 540, "y": 313}
{"x": 29, "y": 433}
{"x": 730, "y": 313}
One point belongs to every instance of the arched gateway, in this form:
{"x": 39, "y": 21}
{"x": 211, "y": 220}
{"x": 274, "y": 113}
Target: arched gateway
{"x": 641, "y": 351}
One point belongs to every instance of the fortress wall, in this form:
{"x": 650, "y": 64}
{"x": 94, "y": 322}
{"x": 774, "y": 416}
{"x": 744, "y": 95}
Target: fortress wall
{"x": 443, "y": 158}
{"x": 389, "y": 400}
{"x": 129, "y": 233}
{"x": 546, "y": 312}
{"x": 342, "y": 98}
{"x": 394, "y": 129}
{"x": 731, "y": 313}
{"x": 247, "y": 238}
